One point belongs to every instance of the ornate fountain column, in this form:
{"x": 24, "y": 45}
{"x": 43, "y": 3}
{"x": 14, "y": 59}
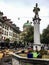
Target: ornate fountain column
{"x": 36, "y": 21}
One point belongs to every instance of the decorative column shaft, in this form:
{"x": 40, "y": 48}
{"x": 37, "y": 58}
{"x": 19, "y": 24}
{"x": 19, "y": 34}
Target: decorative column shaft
{"x": 36, "y": 21}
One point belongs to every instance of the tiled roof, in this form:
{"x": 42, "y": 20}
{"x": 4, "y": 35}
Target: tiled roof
{"x": 9, "y": 23}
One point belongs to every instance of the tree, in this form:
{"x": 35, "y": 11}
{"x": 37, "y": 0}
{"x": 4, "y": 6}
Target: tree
{"x": 15, "y": 44}
{"x": 7, "y": 41}
{"x": 27, "y": 35}
{"x": 45, "y": 35}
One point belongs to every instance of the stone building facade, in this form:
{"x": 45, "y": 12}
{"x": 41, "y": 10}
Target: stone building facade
{"x": 7, "y": 29}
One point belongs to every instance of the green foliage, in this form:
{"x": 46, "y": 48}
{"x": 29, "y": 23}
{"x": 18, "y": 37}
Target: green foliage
{"x": 45, "y": 35}
{"x": 7, "y": 40}
{"x": 29, "y": 36}
{"x": 15, "y": 43}
{"x": 43, "y": 52}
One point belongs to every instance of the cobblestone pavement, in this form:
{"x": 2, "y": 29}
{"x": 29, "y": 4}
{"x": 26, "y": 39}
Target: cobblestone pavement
{"x": 6, "y": 61}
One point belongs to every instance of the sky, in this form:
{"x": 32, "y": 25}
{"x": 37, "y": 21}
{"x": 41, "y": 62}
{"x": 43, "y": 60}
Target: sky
{"x": 23, "y": 9}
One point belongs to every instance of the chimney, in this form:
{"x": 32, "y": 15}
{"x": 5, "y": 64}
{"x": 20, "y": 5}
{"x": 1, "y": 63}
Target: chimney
{"x": 4, "y": 17}
{"x": 1, "y": 14}
{"x": 11, "y": 22}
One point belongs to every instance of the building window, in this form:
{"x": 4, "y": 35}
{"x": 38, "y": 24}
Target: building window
{"x": 0, "y": 24}
{"x": 7, "y": 33}
{"x": 3, "y": 25}
{"x": 10, "y": 28}
{"x": 6, "y": 28}
{"x": 10, "y": 33}
{"x": 0, "y": 29}
{"x": 4, "y": 38}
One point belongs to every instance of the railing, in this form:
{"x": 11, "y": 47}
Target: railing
{"x": 18, "y": 60}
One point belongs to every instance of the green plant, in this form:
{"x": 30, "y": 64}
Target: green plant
{"x": 43, "y": 52}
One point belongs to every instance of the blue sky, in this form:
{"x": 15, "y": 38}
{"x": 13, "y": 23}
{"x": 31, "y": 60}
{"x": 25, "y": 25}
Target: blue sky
{"x": 24, "y": 9}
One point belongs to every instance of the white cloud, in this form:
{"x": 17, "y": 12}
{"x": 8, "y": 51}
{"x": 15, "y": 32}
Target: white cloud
{"x": 24, "y": 13}
{"x": 13, "y": 13}
{"x": 44, "y": 15}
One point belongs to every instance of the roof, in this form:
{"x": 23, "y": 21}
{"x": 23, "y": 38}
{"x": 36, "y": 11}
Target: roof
{"x": 1, "y": 13}
{"x": 9, "y": 23}
{"x": 27, "y": 24}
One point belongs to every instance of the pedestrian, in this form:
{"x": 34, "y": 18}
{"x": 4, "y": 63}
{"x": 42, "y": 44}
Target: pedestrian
{"x": 35, "y": 54}
{"x": 30, "y": 55}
